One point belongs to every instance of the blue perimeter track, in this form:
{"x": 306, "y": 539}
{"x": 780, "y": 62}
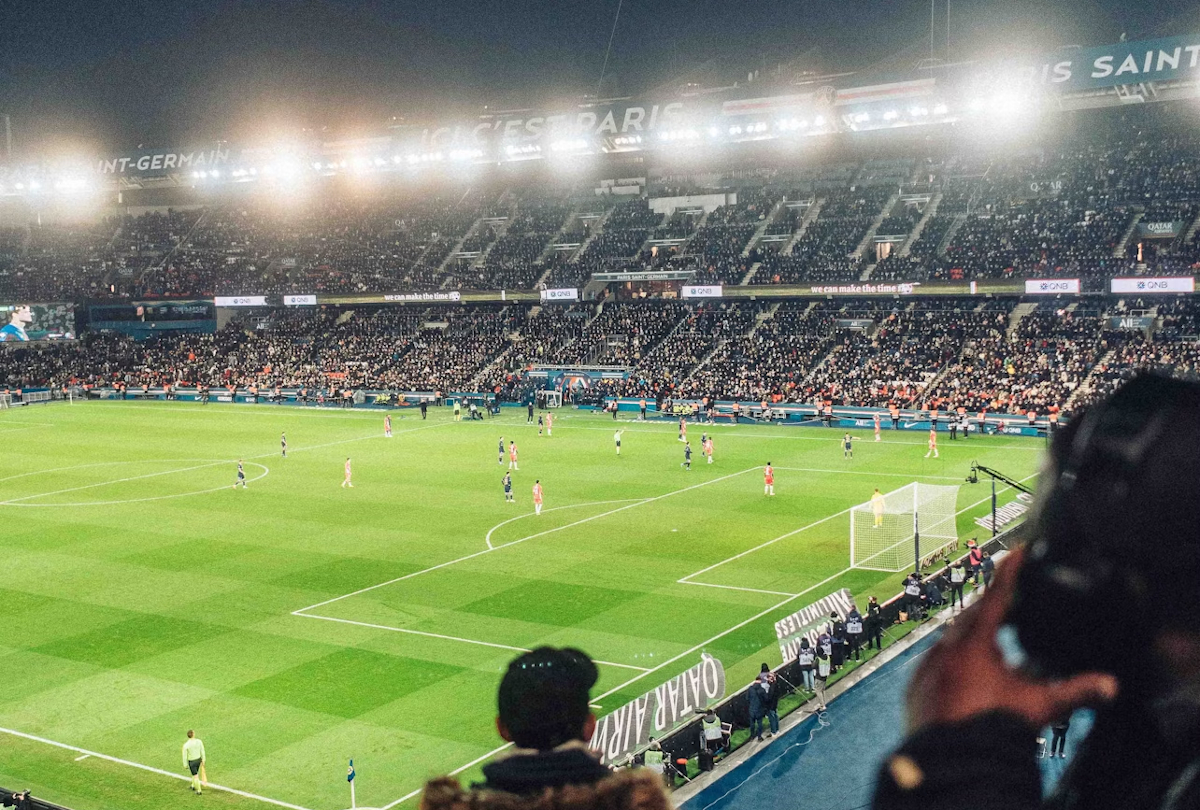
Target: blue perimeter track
{"x": 833, "y": 766}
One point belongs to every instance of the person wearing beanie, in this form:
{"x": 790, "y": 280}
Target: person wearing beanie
{"x": 543, "y": 710}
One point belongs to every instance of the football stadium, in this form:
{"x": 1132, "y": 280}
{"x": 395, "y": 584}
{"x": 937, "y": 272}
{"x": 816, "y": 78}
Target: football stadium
{"x": 698, "y": 411}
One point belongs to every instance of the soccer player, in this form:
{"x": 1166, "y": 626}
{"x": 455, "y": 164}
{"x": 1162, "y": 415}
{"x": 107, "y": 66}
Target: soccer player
{"x": 193, "y": 759}
{"x": 541, "y": 424}
{"x": 18, "y": 322}
{"x": 769, "y": 480}
{"x": 512, "y": 456}
{"x": 847, "y": 446}
{"x": 708, "y": 448}
{"x": 283, "y": 443}
{"x": 617, "y": 439}
{"x": 549, "y": 424}
{"x": 241, "y": 476}
{"x": 932, "y": 444}
{"x": 507, "y": 481}
{"x": 458, "y": 410}
{"x": 683, "y": 430}
{"x": 687, "y": 455}
{"x": 877, "y": 437}
{"x": 346, "y": 482}
{"x": 387, "y": 425}
{"x": 500, "y": 452}
{"x": 877, "y": 506}
{"x": 537, "y": 497}
{"x": 642, "y": 407}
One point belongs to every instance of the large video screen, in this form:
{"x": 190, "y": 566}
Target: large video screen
{"x": 27, "y": 322}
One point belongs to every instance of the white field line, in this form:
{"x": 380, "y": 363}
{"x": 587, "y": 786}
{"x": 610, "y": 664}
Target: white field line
{"x": 488, "y": 537}
{"x": 735, "y": 588}
{"x": 685, "y": 580}
{"x": 683, "y": 654}
{"x": 481, "y": 552}
{"x": 728, "y": 430}
{"x": 13, "y": 501}
{"x": 451, "y": 638}
{"x": 265, "y": 471}
{"x": 874, "y": 474}
{"x": 149, "y": 768}
{"x": 82, "y": 758}
{"x": 454, "y": 772}
{"x": 17, "y": 501}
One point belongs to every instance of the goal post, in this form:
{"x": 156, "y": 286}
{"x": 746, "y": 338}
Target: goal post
{"x": 886, "y": 539}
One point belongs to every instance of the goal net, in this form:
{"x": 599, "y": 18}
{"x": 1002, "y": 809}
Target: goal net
{"x": 549, "y": 399}
{"x": 886, "y": 539}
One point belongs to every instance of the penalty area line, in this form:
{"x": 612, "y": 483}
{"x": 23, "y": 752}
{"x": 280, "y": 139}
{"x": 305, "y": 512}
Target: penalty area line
{"x": 473, "y": 555}
{"x": 128, "y": 763}
{"x": 444, "y": 637}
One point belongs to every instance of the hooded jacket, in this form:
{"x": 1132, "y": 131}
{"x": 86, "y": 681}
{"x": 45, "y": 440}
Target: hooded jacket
{"x": 565, "y": 778}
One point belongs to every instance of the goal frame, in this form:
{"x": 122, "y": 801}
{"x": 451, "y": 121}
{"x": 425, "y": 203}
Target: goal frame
{"x": 943, "y": 541}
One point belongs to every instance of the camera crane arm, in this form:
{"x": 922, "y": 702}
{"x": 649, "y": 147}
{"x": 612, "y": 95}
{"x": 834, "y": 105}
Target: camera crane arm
{"x": 977, "y": 468}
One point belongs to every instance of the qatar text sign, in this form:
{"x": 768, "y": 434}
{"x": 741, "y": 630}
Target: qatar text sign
{"x": 1178, "y": 284}
{"x": 562, "y": 294}
{"x": 299, "y": 300}
{"x": 656, "y": 713}
{"x": 1051, "y": 286}
{"x": 702, "y": 291}
{"x": 807, "y": 622}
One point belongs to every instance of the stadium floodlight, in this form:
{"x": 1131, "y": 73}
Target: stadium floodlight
{"x": 20, "y": 186}
{"x": 465, "y": 154}
{"x": 918, "y": 112}
{"x": 735, "y": 130}
{"x": 819, "y": 121}
{"x": 940, "y": 109}
{"x": 215, "y": 173}
{"x": 891, "y": 115}
{"x": 569, "y": 145}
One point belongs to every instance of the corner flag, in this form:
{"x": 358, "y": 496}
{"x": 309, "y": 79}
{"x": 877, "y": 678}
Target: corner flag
{"x": 350, "y": 772}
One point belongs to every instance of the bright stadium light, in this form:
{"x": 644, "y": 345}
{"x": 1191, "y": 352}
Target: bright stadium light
{"x": 940, "y": 109}
{"x": 891, "y": 115}
{"x": 819, "y": 121}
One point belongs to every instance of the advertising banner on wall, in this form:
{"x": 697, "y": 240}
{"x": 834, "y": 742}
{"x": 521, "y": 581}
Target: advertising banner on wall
{"x": 1178, "y": 284}
{"x": 562, "y": 294}
{"x": 808, "y": 621}
{"x": 1160, "y": 230}
{"x": 701, "y": 291}
{"x": 1152, "y": 60}
{"x": 1051, "y": 286}
{"x": 658, "y": 712}
{"x": 240, "y": 300}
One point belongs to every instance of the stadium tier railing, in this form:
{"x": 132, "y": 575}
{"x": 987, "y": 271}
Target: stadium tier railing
{"x": 685, "y": 742}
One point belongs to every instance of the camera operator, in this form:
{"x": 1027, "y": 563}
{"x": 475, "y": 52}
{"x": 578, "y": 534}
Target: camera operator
{"x": 21, "y": 801}
{"x": 1121, "y": 481}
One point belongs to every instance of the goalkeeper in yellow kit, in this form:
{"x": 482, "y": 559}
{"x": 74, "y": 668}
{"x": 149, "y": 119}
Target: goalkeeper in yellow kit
{"x": 877, "y": 506}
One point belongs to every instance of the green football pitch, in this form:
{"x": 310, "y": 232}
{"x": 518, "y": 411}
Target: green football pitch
{"x": 296, "y": 624}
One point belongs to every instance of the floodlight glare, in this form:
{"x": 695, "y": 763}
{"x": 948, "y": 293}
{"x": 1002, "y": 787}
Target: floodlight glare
{"x": 940, "y": 109}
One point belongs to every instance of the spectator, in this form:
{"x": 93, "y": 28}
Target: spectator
{"x": 874, "y": 624}
{"x": 543, "y": 710}
{"x": 824, "y": 670}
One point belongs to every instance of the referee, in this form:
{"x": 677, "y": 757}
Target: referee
{"x": 193, "y": 758}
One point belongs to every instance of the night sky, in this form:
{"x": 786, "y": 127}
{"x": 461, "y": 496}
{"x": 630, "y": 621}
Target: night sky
{"x": 113, "y": 74}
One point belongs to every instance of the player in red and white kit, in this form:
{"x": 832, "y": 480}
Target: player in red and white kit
{"x": 346, "y": 482}
{"x": 768, "y": 479}
{"x": 549, "y": 424}
{"x": 877, "y": 437}
{"x": 683, "y": 430}
{"x": 387, "y": 425}
{"x": 932, "y": 444}
{"x": 537, "y": 497}
{"x": 512, "y": 456}
{"x": 708, "y": 448}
